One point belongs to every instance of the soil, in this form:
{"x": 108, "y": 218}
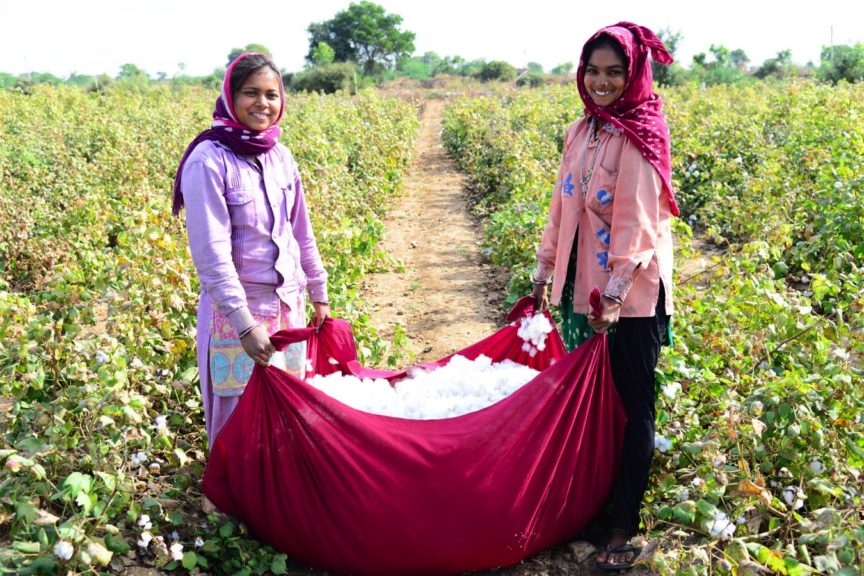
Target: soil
{"x": 445, "y": 294}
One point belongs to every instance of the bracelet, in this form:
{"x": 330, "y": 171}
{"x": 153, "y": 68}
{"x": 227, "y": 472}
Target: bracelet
{"x": 243, "y": 334}
{"x": 541, "y": 282}
{"x": 615, "y": 299}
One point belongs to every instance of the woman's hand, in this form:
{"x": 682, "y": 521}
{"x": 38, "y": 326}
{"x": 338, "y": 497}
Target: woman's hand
{"x": 609, "y": 317}
{"x": 257, "y": 345}
{"x": 541, "y": 297}
{"x": 322, "y": 312}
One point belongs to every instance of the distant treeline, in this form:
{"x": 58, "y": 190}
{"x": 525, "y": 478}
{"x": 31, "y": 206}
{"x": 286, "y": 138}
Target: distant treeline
{"x": 364, "y": 45}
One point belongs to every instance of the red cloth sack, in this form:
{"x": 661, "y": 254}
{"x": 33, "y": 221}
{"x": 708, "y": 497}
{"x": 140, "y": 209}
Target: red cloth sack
{"x": 358, "y": 493}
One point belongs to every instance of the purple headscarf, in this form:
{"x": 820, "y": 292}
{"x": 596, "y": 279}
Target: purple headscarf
{"x": 226, "y": 129}
{"x": 638, "y": 111}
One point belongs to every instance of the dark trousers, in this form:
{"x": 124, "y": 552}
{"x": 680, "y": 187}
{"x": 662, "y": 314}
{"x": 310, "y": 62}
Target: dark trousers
{"x": 633, "y": 355}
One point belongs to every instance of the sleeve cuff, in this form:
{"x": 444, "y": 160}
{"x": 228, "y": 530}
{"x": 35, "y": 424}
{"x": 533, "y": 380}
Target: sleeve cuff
{"x": 241, "y": 319}
{"x": 318, "y": 292}
{"x": 543, "y": 272}
{"x": 617, "y": 288}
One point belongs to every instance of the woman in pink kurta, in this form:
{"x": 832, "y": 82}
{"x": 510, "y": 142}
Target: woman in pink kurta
{"x": 250, "y": 237}
{"x": 609, "y": 227}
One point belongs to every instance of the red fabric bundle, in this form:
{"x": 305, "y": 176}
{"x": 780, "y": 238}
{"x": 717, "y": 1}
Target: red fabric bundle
{"x": 359, "y": 493}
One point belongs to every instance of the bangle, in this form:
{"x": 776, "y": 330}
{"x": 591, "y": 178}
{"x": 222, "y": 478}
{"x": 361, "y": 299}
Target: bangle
{"x": 243, "y": 334}
{"x": 615, "y": 299}
{"x": 541, "y": 282}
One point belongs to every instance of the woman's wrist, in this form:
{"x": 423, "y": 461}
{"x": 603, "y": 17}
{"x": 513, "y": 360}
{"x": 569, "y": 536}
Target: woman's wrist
{"x": 246, "y": 332}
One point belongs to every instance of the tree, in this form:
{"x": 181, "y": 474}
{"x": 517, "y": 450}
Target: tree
{"x": 364, "y": 33}
{"x": 131, "y": 72}
{"x": 726, "y": 67}
{"x": 323, "y": 55}
{"x": 668, "y": 74}
{"x": 780, "y": 66}
{"x": 249, "y": 48}
{"x": 498, "y": 70}
{"x": 842, "y": 63}
{"x": 562, "y": 69}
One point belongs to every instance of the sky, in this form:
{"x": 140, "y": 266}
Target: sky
{"x": 172, "y": 37}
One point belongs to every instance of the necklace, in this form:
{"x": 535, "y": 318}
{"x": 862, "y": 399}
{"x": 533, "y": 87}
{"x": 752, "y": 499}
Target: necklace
{"x": 585, "y": 177}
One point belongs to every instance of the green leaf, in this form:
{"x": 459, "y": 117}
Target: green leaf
{"x": 278, "y": 566}
{"x": 795, "y": 568}
{"x": 190, "y": 560}
{"x": 226, "y": 530}
{"x": 26, "y": 511}
{"x": 110, "y": 480}
{"x": 706, "y": 508}
{"x": 70, "y": 531}
{"x": 116, "y": 543}
{"x": 77, "y": 483}
{"x": 685, "y": 512}
{"x": 85, "y": 501}
{"x": 26, "y": 547}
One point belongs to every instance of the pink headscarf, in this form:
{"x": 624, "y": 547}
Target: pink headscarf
{"x": 226, "y": 128}
{"x": 638, "y": 111}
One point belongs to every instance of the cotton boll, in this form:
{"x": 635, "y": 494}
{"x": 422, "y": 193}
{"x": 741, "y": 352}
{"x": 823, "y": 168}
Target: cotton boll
{"x": 176, "y": 551}
{"x": 64, "y": 550}
{"x": 794, "y": 497}
{"x": 534, "y": 330}
{"x": 721, "y": 527}
{"x": 662, "y": 443}
{"x": 459, "y": 387}
{"x": 671, "y": 390}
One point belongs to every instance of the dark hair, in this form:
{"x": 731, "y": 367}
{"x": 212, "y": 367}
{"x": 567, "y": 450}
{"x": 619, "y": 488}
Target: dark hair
{"x": 248, "y": 66}
{"x": 606, "y": 41}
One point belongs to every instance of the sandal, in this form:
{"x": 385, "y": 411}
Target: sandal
{"x": 620, "y": 549}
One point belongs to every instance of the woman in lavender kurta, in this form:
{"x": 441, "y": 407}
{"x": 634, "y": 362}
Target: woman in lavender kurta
{"x": 250, "y": 237}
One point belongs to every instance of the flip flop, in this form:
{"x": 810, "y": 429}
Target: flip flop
{"x": 620, "y": 549}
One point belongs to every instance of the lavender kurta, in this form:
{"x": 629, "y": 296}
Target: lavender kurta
{"x": 252, "y": 243}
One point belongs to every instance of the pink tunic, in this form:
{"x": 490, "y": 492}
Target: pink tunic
{"x": 623, "y": 221}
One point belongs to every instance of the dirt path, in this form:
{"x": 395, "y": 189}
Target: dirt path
{"x": 447, "y": 295}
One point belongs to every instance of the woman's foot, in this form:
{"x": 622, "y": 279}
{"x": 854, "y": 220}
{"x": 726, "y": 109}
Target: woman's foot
{"x": 618, "y": 554}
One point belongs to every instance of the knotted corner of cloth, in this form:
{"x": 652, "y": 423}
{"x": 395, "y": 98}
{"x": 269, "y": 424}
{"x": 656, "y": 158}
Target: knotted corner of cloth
{"x": 328, "y": 350}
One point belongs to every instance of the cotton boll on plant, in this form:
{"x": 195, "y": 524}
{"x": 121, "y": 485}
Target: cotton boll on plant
{"x": 459, "y": 387}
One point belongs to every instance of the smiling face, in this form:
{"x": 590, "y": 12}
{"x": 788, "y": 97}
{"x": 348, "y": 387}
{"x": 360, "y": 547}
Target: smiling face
{"x": 259, "y": 100}
{"x": 605, "y": 75}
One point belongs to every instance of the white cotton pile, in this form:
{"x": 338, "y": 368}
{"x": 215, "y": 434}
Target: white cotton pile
{"x": 533, "y": 331}
{"x": 459, "y": 387}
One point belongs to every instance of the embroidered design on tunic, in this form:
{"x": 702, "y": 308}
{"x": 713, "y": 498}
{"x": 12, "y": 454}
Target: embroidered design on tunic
{"x": 604, "y": 197}
{"x": 603, "y": 235}
{"x": 568, "y": 186}
{"x": 230, "y": 366}
{"x": 603, "y": 259}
